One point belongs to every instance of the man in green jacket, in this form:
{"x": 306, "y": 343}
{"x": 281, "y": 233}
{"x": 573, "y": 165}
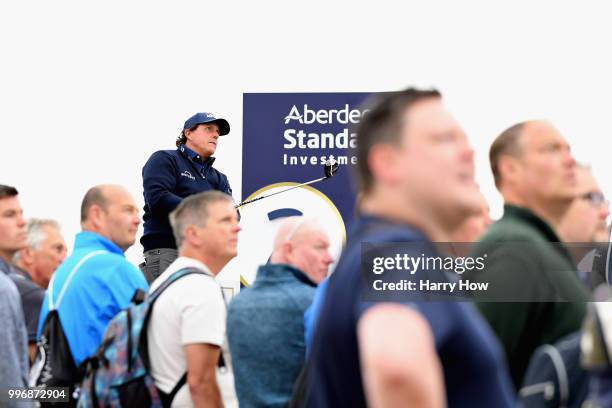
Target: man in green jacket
{"x": 534, "y": 295}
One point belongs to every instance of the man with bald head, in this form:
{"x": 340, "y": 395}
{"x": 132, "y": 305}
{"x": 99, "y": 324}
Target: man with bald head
{"x": 265, "y": 321}
{"x": 96, "y": 281}
{"x": 531, "y": 275}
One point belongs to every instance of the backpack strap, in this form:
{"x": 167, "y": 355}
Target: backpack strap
{"x": 560, "y": 369}
{"x": 173, "y": 278}
{"x": 168, "y": 398}
{"x": 76, "y": 267}
{"x": 143, "y": 345}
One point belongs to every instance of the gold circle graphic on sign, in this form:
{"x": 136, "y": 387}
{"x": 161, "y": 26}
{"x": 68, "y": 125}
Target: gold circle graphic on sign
{"x": 313, "y": 190}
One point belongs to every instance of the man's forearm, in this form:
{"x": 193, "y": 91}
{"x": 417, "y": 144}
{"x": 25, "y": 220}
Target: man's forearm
{"x": 205, "y": 393}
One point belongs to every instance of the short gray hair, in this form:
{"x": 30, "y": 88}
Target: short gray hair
{"x": 36, "y": 234}
{"x": 193, "y": 210}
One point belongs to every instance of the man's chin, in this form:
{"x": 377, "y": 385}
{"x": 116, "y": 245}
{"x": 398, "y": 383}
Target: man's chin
{"x": 470, "y": 204}
{"x": 566, "y": 196}
{"x": 602, "y": 236}
{"x": 126, "y": 245}
{"x": 21, "y": 244}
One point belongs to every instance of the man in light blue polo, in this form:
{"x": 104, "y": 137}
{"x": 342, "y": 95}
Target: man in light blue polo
{"x": 96, "y": 281}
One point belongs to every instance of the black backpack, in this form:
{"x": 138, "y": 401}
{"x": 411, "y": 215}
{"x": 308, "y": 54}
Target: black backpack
{"x": 555, "y": 377}
{"x": 54, "y": 365}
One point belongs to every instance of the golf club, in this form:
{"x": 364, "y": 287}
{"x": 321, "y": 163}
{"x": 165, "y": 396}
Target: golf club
{"x": 330, "y": 168}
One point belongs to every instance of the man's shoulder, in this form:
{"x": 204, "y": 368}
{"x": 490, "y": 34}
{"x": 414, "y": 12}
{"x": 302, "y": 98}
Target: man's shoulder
{"x": 371, "y": 229}
{"x": 7, "y": 287}
{"x": 219, "y": 173}
{"x": 518, "y": 238}
{"x": 268, "y": 295}
{"x": 27, "y": 289}
{"x": 247, "y": 299}
{"x": 103, "y": 266}
{"x": 162, "y": 156}
{"x": 301, "y": 289}
{"x": 5, "y": 267}
{"x": 379, "y": 237}
{"x": 104, "y": 259}
{"x": 513, "y": 237}
{"x": 10, "y": 304}
{"x": 512, "y": 230}
{"x": 185, "y": 288}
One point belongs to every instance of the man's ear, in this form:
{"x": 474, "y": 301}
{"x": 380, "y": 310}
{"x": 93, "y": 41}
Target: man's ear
{"x": 509, "y": 169}
{"x": 287, "y": 249}
{"x": 27, "y": 255}
{"x": 96, "y": 216}
{"x": 187, "y": 134}
{"x": 192, "y": 235}
{"x": 383, "y": 160}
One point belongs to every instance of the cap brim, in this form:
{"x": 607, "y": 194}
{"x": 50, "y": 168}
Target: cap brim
{"x": 224, "y": 127}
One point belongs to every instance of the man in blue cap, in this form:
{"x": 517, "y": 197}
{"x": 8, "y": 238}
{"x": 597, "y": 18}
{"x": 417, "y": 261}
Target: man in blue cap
{"x": 171, "y": 175}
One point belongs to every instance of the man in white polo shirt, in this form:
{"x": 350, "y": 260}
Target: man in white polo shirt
{"x": 187, "y": 328}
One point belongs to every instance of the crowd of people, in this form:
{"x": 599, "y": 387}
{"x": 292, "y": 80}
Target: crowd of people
{"x": 302, "y": 335}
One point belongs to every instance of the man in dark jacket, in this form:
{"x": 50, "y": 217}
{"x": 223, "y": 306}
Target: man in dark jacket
{"x": 536, "y": 297}
{"x": 171, "y": 175}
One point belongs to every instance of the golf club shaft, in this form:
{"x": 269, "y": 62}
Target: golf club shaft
{"x": 278, "y": 192}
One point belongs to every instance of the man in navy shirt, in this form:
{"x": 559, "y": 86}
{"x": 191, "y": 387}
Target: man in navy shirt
{"x": 415, "y": 172}
{"x": 171, "y": 175}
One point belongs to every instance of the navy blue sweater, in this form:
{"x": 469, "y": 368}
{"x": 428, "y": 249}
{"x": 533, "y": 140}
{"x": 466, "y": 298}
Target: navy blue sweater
{"x": 168, "y": 177}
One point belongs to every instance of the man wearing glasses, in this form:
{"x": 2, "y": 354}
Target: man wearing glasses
{"x": 585, "y": 230}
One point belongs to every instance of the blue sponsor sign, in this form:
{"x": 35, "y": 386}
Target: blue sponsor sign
{"x": 288, "y": 136}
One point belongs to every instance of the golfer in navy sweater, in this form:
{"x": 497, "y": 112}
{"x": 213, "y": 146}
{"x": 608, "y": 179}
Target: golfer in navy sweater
{"x": 171, "y": 175}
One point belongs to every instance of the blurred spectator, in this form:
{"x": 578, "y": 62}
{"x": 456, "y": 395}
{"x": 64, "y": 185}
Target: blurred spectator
{"x": 96, "y": 281}
{"x": 12, "y": 239}
{"x": 595, "y": 345}
{"x": 171, "y": 175}
{"x": 474, "y": 226}
{"x": 535, "y": 173}
{"x": 45, "y": 251}
{"x": 416, "y": 172}
{"x": 585, "y": 230}
{"x": 187, "y": 331}
{"x": 585, "y": 220}
{"x": 265, "y": 321}
{"x": 13, "y": 336}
